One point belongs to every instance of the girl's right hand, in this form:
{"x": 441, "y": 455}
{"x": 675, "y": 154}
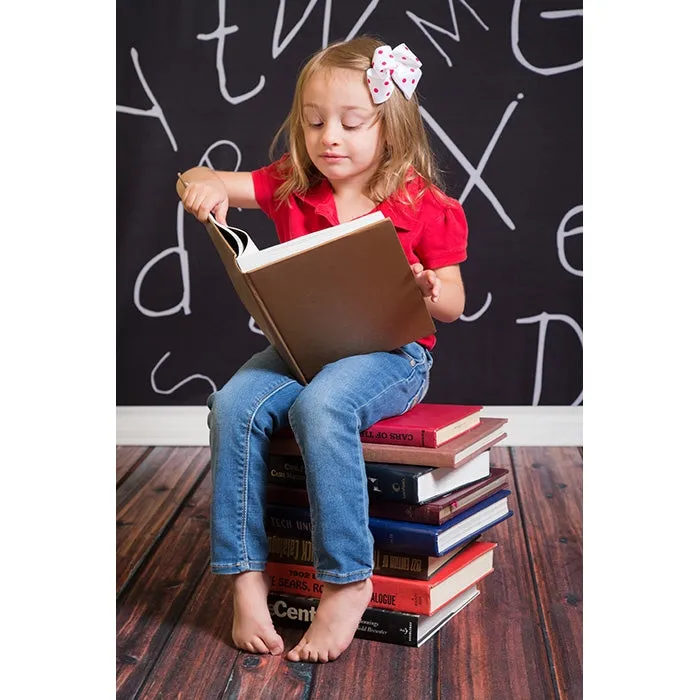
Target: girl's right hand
{"x": 203, "y": 193}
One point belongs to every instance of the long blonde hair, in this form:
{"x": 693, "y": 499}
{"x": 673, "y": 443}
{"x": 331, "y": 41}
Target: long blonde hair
{"x": 406, "y": 151}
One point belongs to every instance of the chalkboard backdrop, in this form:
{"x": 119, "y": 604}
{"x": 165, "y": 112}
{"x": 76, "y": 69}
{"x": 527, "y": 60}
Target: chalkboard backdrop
{"x": 209, "y": 82}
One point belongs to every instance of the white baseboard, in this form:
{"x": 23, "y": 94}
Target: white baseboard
{"x": 537, "y": 426}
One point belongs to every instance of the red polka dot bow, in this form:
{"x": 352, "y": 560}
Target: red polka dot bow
{"x": 397, "y": 66}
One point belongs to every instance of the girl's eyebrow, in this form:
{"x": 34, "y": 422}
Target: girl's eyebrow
{"x": 345, "y": 108}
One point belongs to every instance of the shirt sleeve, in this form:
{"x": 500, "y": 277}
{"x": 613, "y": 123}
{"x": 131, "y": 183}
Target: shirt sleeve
{"x": 444, "y": 237}
{"x": 265, "y": 183}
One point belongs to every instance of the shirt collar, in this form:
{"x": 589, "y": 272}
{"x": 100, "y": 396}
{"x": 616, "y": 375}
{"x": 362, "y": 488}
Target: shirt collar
{"x": 403, "y": 216}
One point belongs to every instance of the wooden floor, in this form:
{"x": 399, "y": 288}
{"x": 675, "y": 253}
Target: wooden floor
{"x": 521, "y": 639}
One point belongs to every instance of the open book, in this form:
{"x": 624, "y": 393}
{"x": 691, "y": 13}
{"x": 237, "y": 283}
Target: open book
{"x": 341, "y": 291}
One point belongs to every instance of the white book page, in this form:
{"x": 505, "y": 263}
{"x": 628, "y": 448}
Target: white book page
{"x": 240, "y": 242}
{"x": 259, "y": 258}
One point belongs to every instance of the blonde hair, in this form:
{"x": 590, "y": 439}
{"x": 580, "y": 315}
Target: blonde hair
{"x": 406, "y": 152}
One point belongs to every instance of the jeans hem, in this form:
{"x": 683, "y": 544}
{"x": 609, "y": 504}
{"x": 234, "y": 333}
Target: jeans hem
{"x": 352, "y": 577}
{"x": 237, "y": 568}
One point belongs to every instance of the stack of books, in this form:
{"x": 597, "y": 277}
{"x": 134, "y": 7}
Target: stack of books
{"x": 432, "y": 495}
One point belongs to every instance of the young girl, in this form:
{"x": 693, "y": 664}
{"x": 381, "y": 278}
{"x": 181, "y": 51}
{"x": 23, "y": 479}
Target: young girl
{"x": 356, "y": 143}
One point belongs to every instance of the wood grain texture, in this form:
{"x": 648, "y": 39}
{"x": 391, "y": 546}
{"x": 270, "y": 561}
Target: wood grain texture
{"x": 128, "y": 458}
{"x": 521, "y": 638}
{"x": 150, "y": 610}
{"x": 550, "y": 483}
{"x": 495, "y": 647}
{"x": 200, "y": 661}
{"x": 271, "y": 677}
{"x": 370, "y": 669}
{"x": 148, "y": 500}
{"x": 197, "y": 659}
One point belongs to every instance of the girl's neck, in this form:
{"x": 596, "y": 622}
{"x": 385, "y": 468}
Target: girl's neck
{"x": 351, "y": 203}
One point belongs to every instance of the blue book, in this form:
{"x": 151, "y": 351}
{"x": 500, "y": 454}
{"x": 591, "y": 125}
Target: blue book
{"x": 403, "y": 536}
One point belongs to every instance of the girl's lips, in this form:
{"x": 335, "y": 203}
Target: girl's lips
{"x": 332, "y": 156}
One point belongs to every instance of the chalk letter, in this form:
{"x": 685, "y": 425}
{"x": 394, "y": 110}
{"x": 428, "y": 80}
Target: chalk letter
{"x": 454, "y": 34}
{"x": 543, "y": 319}
{"x": 480, "y": 312}
{"x": 179, "y": 250}
{"x": 155, "y": 110}
{"x": 219, "y": 34}
{"x": 562, "y": 233}
{"x": 177, "y": 386}
{"x": 515, "y": 39}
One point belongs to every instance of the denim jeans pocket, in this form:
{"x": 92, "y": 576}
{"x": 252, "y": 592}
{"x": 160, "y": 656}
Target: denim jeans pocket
{"x": 414, "y": 352}
{"x": 421, "y": 360}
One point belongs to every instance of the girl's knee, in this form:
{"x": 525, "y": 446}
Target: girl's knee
{"x": 226, "y": 405}
{"x": 317, "y": 409}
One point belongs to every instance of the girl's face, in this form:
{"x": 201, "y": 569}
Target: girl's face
{"x": 342, "y": 137}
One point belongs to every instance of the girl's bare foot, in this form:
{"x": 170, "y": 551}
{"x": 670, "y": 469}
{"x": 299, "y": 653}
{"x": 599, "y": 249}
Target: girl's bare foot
{"x": 253, "y": 630}
{"x": 335, "y": 623}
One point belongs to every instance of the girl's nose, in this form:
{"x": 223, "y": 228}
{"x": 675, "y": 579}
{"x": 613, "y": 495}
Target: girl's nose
{"x": 329, "y": 135}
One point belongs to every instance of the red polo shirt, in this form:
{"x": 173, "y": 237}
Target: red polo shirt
{"x": 434, "y": 233}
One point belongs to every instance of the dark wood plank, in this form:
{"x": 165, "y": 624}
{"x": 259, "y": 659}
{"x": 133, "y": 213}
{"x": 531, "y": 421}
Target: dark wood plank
{"x": 495, "y": 647}
{"x": 370, "y": 669}
{"x": 550, "y": 484}
{"x": 148, "y": 500}
{"x": 271, "y": 677}
{"x": 149, "y": 611}
{"x": 200, "y": 661}
{"x": 128, "y": 458}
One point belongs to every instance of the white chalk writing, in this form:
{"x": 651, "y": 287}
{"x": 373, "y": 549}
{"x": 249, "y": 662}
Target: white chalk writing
{"x": 278, "y": 48}
{"x": 253, "y": 327}
{"x": 206, "y": 161}
{"x": 181, "y": 252}
{"x": 515, "y": 39}
{"x": 454, "y": 34}
{"x": 190, "y": 378}
{"x": 562, "y": 234}
{"x": 155, "y": 110}
{"x": 480, "y": 312}
{"x": 475, "y": 179}
{"x": 220, "y": 34}
{"x": 543, "y": 319}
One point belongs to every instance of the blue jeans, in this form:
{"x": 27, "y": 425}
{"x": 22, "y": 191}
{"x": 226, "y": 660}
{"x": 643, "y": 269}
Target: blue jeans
{"x": 326, "y": 417}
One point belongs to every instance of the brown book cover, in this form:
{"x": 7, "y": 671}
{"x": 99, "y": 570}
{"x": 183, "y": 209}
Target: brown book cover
{"x": 451, "y": 454}
{"x": 343, "y": 291}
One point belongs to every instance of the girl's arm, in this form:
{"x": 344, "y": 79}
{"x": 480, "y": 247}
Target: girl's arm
{"x": 443, "y": 291}
{"x": 215, "y": 191}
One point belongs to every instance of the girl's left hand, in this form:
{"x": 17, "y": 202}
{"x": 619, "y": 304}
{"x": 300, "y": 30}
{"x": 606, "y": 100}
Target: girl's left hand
{"x": 429, "y": 283}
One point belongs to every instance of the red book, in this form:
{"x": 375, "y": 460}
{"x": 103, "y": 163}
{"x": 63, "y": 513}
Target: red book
{"x": 425, "y": 425}
{"x": 453, "y": 453}
{"x": 405, "y": 595}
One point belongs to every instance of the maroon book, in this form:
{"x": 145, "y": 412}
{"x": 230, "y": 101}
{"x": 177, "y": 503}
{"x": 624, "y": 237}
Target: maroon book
{"x": 450, "y": 454}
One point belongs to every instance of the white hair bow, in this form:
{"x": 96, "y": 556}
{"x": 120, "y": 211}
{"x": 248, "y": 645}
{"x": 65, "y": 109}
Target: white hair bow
{"x": 398, "y": 66}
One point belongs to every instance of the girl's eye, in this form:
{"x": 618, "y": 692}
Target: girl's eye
{"x": 315, "y": 125}
{"x": 350, "y": 128}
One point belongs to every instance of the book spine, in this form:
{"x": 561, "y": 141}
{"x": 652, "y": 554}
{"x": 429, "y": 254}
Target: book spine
{"x": 391, "y": 484}
{"x": 391, "y": 535}
{"x": 403, "y": 595}
{"x": 298, "y": 550}
{"x": 286, "y": 471}
{"x": 378, "y": 625}
{"x": 415, "y": 437}
{"x": 385, "y": 482}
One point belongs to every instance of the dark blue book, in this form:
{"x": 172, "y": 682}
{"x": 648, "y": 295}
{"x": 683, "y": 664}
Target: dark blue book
{"x": 403, "y": 536}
